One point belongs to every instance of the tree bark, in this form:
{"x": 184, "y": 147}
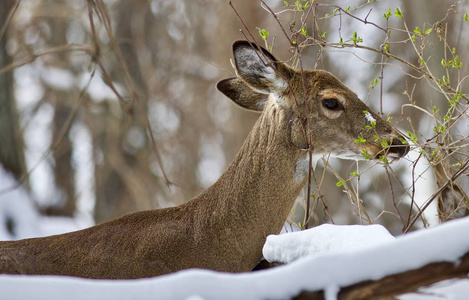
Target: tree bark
{"x": 64, "y": 172}
{"x": 11, "y": 145}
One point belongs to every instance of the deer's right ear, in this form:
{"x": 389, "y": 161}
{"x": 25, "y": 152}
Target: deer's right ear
{"x": 242, "y": 94}
{"x": 260, "y": 69}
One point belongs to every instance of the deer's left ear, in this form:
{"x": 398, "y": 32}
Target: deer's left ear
{"x": 260, "y": 69}
{"x": 241, "y": 94}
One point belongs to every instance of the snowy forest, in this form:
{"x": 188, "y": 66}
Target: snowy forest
{"x": 108, "y": 107}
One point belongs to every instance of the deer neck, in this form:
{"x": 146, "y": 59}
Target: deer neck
{"x": 260, "y": 186}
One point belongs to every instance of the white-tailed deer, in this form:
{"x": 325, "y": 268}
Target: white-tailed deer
{"x": 225, "y": 227}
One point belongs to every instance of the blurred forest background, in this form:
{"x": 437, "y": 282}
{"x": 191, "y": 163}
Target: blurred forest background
{"x": 110, "y": 106}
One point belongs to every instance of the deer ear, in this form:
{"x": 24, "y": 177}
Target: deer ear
{"x": 260, "y": 69}
{"x": 242, "y": 94}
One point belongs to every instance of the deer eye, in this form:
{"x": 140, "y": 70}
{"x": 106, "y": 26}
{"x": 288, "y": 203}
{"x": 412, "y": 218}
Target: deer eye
{"x": 332, "y": 104}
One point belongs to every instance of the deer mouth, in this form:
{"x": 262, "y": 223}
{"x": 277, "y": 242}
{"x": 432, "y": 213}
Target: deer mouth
{"x": 375, "y": 152}
{"x": 393, "y": 152}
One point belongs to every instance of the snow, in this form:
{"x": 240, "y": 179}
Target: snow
{"x": 314, "y": 270}
{"x": 17, "y": 206}
{"x": 324, "y": 239}
{"x": 449, "y": 289}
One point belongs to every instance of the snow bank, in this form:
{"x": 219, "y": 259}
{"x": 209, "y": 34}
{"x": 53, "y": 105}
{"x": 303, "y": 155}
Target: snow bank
{"x": 445, "y": 242}
{"x": 326, "y": 238}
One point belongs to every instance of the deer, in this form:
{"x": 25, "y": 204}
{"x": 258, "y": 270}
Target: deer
{"x": 225, "y": 227}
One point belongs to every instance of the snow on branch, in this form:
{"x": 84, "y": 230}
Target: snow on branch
{"x": 398, "y": 284}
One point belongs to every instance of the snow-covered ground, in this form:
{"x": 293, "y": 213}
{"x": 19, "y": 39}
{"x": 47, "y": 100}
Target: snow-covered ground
{"x": 376, "y": 254}
{"x": 17, "y": 207}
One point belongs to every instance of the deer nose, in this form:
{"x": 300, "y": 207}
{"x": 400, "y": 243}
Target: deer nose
{"x": 398, "y": 147}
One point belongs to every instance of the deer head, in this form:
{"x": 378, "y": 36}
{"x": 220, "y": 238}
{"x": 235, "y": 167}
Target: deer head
{"x": 325, "y": 116}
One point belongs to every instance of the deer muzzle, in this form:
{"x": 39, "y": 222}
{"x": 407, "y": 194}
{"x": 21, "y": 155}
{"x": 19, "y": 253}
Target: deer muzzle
{"x": 396, "y": 149}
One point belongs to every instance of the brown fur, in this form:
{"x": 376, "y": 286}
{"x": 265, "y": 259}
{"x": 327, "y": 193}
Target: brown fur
{"x": 225, "y": 227}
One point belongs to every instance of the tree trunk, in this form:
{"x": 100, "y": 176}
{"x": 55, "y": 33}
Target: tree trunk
{"x": 64, "y": 173}
{"x": 11, "y": 142}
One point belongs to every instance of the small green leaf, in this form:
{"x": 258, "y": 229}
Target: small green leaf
{"x": 466, "y": 17}
{"x": 286, "y": 3}
{"x": 403, "y": 141}
{"x": 456, "y": 62}
{"x": 413, "y": 38}
{"x": 398, "y": 13}
{"x": 383, "y": 159}
{"x": 387, "y": 14}
{"x": 324, "y": 35}
{"x": 417, "y": 30}
{"x": 439, "y": 129}
{"x": 445, "y": 80}
{"x": 359, "y": 140}
{"x": 303, "y": 31}
{"x": 340, "y": 183}
{"x": 412, "y": 137}
{"x": 365, "y": 154}
{"x": 428, "y": 31}
{"x": 264, "y": 33}
{"x": 356, "y": 39}
{"x": 386, "y": 47}
{"x": 457, "y": 96}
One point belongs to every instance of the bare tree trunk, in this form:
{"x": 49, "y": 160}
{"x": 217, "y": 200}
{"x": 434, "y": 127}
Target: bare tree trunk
{"x": 11, "y": 142}
{"x": 124, "y": 182}
{"x": 64, "y": 173}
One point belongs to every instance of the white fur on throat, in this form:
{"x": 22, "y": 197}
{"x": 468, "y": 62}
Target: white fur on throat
{"x": 302, "y": 166}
